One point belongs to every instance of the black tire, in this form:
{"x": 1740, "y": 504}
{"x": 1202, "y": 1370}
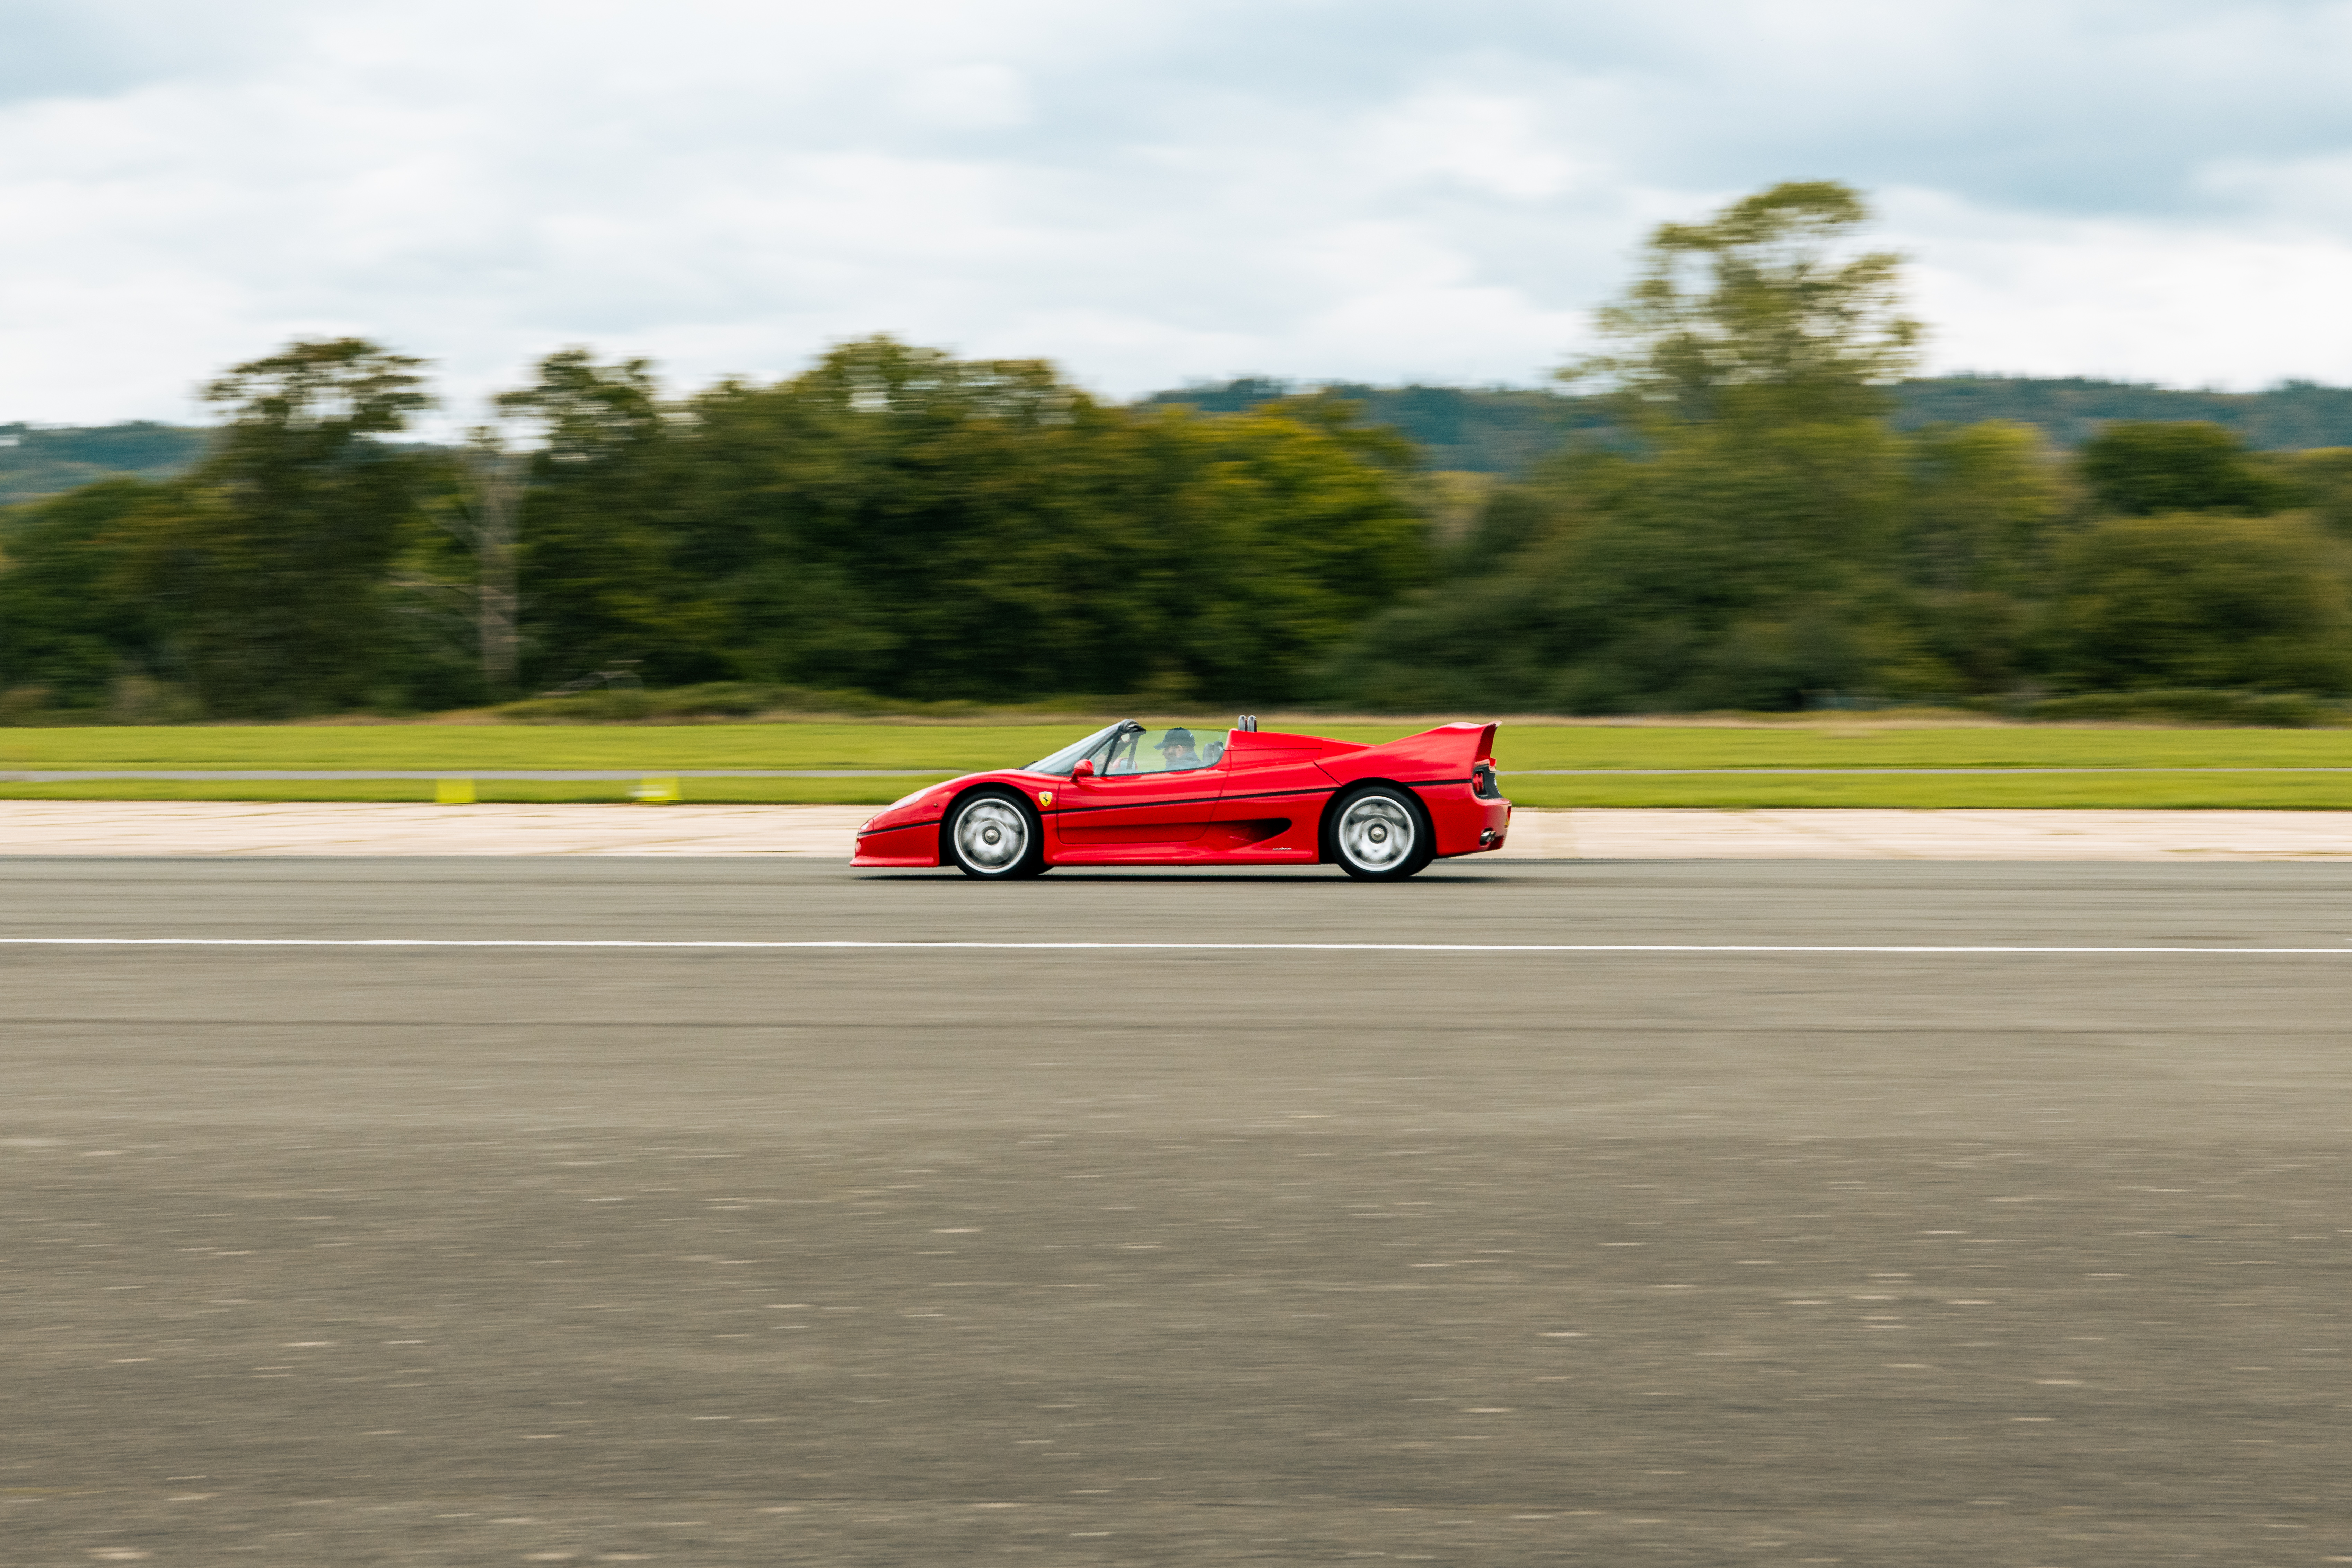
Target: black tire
{"x": 1379, "y": 833}
{"x": 992, "y": 834}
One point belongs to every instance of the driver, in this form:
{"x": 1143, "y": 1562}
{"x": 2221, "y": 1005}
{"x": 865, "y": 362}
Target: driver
{"x": 1177, "y": 753}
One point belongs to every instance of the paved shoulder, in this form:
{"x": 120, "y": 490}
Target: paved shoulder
{"x": 350, "y": 827}
{"x": 231, "y": 827}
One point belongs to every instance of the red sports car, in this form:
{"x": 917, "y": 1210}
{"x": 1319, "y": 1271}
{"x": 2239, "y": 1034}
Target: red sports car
{"x": 1130, "y": 795}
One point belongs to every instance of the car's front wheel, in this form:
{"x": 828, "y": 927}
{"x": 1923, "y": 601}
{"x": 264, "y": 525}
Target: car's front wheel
{"x": 992, "y": 833}
{"x": 1380, "y": 833}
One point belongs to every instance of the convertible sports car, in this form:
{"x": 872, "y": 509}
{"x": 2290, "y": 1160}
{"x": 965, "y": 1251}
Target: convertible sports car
{"x": 1131, "y": 796}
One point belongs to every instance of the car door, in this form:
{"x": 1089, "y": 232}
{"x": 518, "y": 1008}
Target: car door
{"x": 1150, "y": 786}
{"x": 1273, "y": 785}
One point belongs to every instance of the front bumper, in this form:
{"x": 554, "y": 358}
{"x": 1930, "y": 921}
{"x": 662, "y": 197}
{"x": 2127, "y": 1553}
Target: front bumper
{"x": 905, "y": 844}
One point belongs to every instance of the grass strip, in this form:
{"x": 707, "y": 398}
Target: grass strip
{"x": 2148, "y": 789}
{"x": 1636, "y": 746}
{"x": 2145, "y": 790}
{"x": 2163, "y": 760}
{"x": 607, "y": 791}
{"x": 964, "y": 748}
{"x": 456, "y": 747}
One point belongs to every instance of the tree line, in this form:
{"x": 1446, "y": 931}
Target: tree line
{"x": 1465, "y": 430}
{"x": 894, "y": 520}
{"x": 1501, "y": 430}
{"x": 1746, "y": 526}
{"x": 1768, "y": 539}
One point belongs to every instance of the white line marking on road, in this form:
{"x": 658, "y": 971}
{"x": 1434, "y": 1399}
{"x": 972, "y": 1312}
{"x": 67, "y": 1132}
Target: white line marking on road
{"x": 1124, "y": 946}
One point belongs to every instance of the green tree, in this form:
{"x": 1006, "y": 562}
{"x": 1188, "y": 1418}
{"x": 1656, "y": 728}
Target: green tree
{"x": 1265, "y": 538}
{"x": 1985, "y": 503}
{"x": 1759, "y": 315}
{"x": 2320, "y": 480}
{"x": 1735, "y": 560}
{"x": 1730, "y": 569}
{"x": 1740, "y": 554}
{"x": 2138, "y": 469}
{"x": 895, "y": 519}
{"x": 269, "y": 579}
{"x": 2199, "y": 600}
{"x": 900, "y": 520}
{"x": 71, "y": 627}
{"x": 451, "y": 589}
{"x": 599, "y": 594}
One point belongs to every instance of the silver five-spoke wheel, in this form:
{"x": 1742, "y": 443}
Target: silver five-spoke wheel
{"x": 993, "y": 837}
{"x": 1380, "y": 833}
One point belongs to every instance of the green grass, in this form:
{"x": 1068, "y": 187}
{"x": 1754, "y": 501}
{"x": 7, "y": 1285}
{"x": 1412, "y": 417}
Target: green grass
{"x": 459, "y": 749}
{"x": 957, "y": 747}
{"x": 952, "y": 747}
{"x": 1832, "y": 745}
{"x": 706, "y": 791}
{"x": 2152, "y": 790}
{"x": 2156, "y": 790}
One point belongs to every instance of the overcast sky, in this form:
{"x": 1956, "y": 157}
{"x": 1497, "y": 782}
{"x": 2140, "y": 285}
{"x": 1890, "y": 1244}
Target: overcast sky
{"x": 1148, "y": 190}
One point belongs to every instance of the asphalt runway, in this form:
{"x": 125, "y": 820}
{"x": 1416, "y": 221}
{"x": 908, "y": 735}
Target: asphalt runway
{"x": 724, "y": 1256}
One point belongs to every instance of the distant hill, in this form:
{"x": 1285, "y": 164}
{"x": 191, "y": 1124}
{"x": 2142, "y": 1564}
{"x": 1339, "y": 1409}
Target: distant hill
{"x": 1485, "y": 430}
{"x": 38, "y": 461}
{"x": 1494, "y": 430}
{"x": 2297, "y": 414}
{"x": 1504, "y": 431}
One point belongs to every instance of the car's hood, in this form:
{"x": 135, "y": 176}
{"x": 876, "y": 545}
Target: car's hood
{"x": 928, "y": 803}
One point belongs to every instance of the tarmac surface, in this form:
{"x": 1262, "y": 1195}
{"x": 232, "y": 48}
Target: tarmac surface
{"x": 724, "y": 1256}
{"x": 1613, "y": 833}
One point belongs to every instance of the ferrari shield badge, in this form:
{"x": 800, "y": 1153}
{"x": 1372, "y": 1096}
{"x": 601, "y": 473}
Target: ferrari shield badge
{"x": 1044, "y": 797}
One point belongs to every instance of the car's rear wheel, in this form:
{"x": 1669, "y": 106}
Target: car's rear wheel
{"x": 1380, "y": 834}
{"x": 992, "y": 833}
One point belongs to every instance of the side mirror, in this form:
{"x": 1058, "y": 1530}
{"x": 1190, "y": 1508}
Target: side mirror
{"x": 1083, "y": 771}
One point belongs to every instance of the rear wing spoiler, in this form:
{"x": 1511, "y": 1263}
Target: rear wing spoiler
{"x": 1452, "y": 747}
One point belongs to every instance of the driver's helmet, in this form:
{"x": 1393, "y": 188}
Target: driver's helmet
{"x": 1176, "y": 741}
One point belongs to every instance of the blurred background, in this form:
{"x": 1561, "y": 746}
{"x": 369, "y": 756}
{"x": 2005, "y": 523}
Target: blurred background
{"x": 1536, "y": 357}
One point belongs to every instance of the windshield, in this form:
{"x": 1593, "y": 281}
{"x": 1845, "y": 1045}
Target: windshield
{"x": 1175, "y": 749}
{"x": 1062, "y": 761}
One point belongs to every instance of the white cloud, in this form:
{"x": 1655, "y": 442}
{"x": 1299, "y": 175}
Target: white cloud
{"x": 1492, "y": 144}
{"x": 971, "y": 96}
{"x": 1150, "y": 192}
{"x": 2239, "y": 305}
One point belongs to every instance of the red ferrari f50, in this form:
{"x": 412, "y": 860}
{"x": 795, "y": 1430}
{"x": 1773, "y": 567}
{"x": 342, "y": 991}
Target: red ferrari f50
{"x": 1130, "y": 795}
